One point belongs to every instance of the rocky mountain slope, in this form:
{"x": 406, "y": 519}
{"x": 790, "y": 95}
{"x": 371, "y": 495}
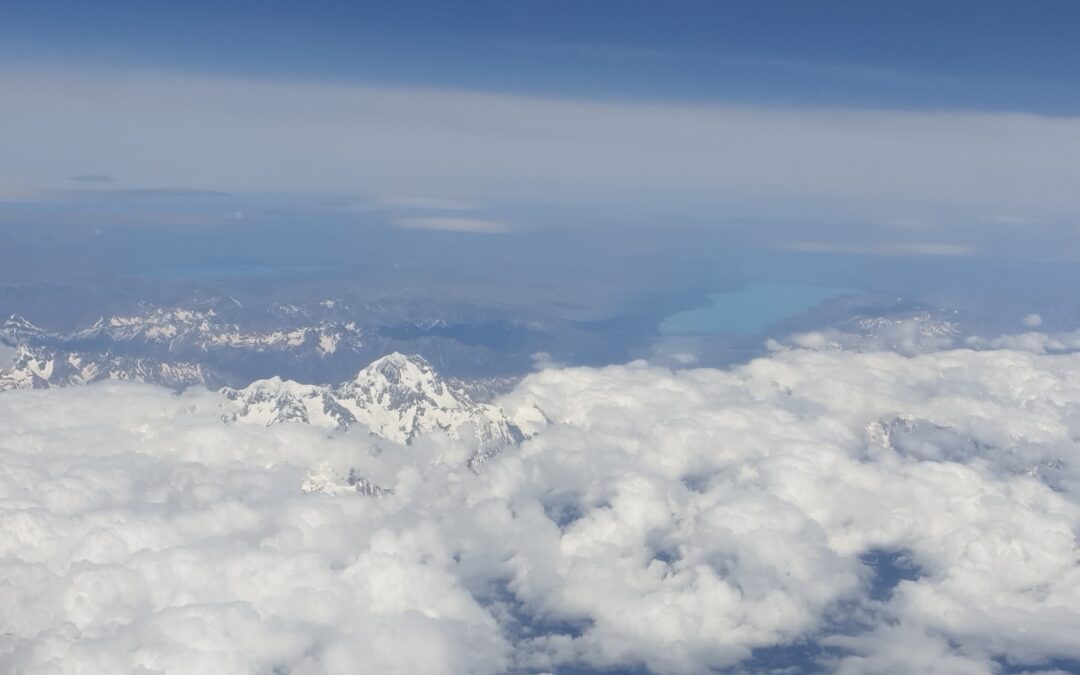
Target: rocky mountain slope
{"x": 397, "y": 397}
{"x": 42, "y": 368}
{"x": 243, "y": 345}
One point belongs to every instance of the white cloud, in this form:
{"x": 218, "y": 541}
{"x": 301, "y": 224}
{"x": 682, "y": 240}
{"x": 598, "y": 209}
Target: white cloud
{"x": 1032, "y": 320}
{"x": 453, "y": 224}
{"x": 1038, "y": 343}
{"x": 887, "y": 248}
{"x": 542, "y": 360}
{"x": 921, "y": 333}
{"x": 676, "y": 519}
{"x": 155, "y": 538}
{"x": 683, "y": 358}
{"x": 924, "y": 332}
{"x": 716, "y": 162}
{"x": 426, "y": 204}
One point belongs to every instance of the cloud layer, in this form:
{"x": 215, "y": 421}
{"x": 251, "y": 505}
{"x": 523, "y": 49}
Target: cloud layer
{"x": 675, "y": 520}
{"x": 453, "y": 224}
{"x": 715, "y": 162}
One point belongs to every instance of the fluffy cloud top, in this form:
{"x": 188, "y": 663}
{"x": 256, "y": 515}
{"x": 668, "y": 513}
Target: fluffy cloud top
{"x": 678, "y": 521}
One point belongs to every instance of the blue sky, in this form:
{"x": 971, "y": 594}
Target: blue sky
{"x": 960, "y": 54}
{"x": 922, "y": 129}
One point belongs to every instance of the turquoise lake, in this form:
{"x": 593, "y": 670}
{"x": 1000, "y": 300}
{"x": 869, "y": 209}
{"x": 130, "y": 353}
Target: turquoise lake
{"x": 750, "y": 309}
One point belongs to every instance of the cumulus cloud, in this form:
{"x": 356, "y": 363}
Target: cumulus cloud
{"x": 542, "y": 360}
{"x": 1039, "y": 343}
{"x": 683, "y": 358}
{"x": 156, "y": 540}
{"x": 672, "y": 520}
{"x": 915, "y": 334}
{"x": 923, "y": 332}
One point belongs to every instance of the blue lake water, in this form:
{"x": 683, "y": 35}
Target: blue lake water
{"x": 750, "y": 309}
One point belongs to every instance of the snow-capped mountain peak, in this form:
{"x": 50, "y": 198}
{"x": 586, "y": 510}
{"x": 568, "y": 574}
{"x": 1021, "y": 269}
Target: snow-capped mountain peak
{"x": 396, "y": 381}
{"x": 17, "y": 329}
{"x": 397, "y": 397}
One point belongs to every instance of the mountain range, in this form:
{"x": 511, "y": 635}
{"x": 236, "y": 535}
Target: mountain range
{"x": 35, "y": 367}
{"x": 396, "y": 397}
{"x": 180, "y": 347}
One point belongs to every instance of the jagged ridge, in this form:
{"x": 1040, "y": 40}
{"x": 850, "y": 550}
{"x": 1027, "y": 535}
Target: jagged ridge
{"x": 396, "y": 397}
{"x": 42, "y": 368}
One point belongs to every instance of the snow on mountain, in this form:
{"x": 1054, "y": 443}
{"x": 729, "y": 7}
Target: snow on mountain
{"x": 485, "y": 389}
{"x": 156, "y": 325}
{"x": 204, "y": 330}
{"x": 326, "y": 481}
{"x": 924, "y": 440}
{"x": 42, "y": 368}
{"x": 310, "y": 342}
{"x": 927, "y": 324}
{"x": 396, "y": 397}
{"x": 184, "y": 337}
{"x": 16, "y": 330}
{"x": 906, "y": 333}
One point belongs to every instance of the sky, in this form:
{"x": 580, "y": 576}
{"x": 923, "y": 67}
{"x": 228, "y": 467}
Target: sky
{"x": 965, "y": 54}
{"x": 750, "y": 138}
{"x": 922, "y": 129}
